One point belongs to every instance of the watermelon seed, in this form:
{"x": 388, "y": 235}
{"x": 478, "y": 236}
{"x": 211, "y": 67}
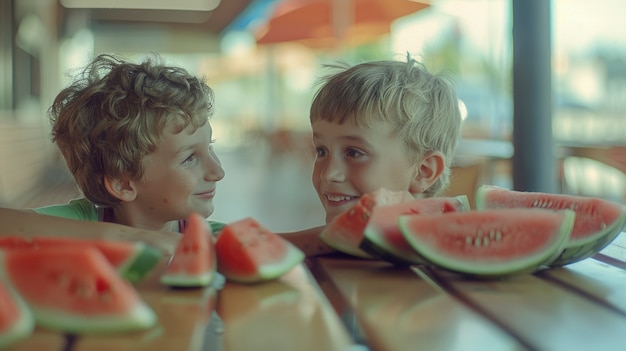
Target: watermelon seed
{"x": 498, "y": 236}
{"x": 477, "y": 242}
{"x": 485, "y": 241}
{"x": 105, "y": 297}
{"x": 468, "y": 240}
{"x": 83, "y": 291}
{"x": 491, "y": 234}
{"x": 62, "y": 280}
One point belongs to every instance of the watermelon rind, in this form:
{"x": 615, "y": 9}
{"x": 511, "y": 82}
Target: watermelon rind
{"x": 25, "y": 324}
{"x": 374, "y": 243}
{"x": 347, "y": 249}
{"x": 271, "y": 271}
{"x": 579, "y": 250}
{"x": 575, "y": 249}
{"x": 140, "y": 263}
{"x": 274, "y": 270}
{"x": 487, "y": 269}
{"x": 138, "y": 316}
{"x": 141, "y": 317}
{"x": 193, "y": 263}
{"x": 387, "y": 253}
{"x": 184, "y": 280}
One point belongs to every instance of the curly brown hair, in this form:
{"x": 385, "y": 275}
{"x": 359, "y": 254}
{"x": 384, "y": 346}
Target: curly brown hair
{"x": 115, "y": 113}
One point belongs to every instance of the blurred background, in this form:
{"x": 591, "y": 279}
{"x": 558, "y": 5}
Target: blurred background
{"x": 262, "y": 57}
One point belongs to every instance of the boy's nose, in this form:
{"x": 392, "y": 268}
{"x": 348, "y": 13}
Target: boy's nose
{"x": 333, "y": 171}
{"x": 213, "y": 170}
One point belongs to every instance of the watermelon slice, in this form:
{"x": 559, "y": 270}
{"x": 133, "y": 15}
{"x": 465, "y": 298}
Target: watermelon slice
{"x": 249, "y": 253}
{"x": 489, "y": 243}
{"x": 382, "y": 236}
{"x": 133, "y": 260}
{"x": 598, "y": 221}
{"x": 345, "y": 232}
{"x": 193, "y": 262}
{"x": 16, "y": 320}
{"x": 75, "y": 291}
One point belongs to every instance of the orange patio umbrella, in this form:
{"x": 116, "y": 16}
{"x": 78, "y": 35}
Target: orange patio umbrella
{"x": 332, "y": 23}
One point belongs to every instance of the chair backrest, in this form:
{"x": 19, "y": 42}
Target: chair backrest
{"x": 464, "y": 180}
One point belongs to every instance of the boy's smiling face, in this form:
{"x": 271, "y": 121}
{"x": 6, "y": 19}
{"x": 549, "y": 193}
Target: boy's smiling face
{"x": 352, "y": 161}
{"x": 180, "y": 176}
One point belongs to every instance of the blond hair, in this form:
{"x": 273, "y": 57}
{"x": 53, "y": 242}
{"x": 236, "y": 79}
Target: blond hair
{"x": 422, "y": 107}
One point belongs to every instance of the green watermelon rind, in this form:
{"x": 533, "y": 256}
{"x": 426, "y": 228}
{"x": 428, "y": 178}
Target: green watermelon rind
{"x": 144, "y": 259}
{"x": 374, "y": 244}
{"x": 25, "y": 325}
{"x": 141, "y": 317}
{"x": 271, "y": 271}
{"x": 574, "y": 250}
{"x": 188, "y": 280}
{"x": 587, "y": 247}
{"x": 489, "y": 269}
{"x": 390, "y": 255}
{"x": 347, "y": 249}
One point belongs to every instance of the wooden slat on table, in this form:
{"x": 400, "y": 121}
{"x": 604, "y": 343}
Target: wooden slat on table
{"x": 599, "y": 280}
{"x": 398, "y": 310}
{"x": 287, "y": 314}
{"x": 602, "y": 278}
{"x": 182, "y": 315}
{"x": 543, "y": 314}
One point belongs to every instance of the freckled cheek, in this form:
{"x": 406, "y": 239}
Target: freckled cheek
{"x": 166, "y": 200}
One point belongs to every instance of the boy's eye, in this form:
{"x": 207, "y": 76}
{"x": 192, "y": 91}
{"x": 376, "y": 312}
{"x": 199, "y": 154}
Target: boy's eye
{"x": 320, "y": 151}
{"x": 354, "y": 153}
{"x": 189, "y": 160}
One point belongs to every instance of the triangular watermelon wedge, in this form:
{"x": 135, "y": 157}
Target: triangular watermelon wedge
{"x": 16, "y": 320}
{"x": 598, "y": 221}
{"x": 75, "y": 291}
{"x": 489, "y": 243}
{"x": 133, "y": 260}
{"x": 383, "y": 238}
{"x": 247, "y": 252}
{"x": 193, "y": 263}
{"x": 345, "y": 232}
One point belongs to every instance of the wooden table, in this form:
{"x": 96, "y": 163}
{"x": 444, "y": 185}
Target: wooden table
{"x": 581, "y": 306}
{"x": 343, "y": 303}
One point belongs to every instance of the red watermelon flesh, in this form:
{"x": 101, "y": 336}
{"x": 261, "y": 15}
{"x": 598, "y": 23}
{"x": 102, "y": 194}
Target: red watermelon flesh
{"x": 75, "y": 291}
{"x": 597, "y": 223}
{"x": 133, "y": 260}
{"x": 345, "y": 232}
{"x": 16, "y": 320}
{"x": 382, "y": 236}
{"x": 593, "y": 215}
{"x": 247, "y": 252}
{"x": 193, "y": 263}
{"x": 489, "y": 243}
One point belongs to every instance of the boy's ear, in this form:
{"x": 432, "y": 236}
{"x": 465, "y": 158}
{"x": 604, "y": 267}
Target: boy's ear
{"x": 427, "y": 172}
{"x": 120, "y": 188}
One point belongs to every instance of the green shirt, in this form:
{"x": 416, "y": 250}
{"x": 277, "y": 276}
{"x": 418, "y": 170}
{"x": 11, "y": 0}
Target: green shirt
{"x": 84, "y": 210}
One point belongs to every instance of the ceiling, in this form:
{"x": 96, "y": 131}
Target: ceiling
{"x": 213, "y": 21}
{"x": 148, "y": 29}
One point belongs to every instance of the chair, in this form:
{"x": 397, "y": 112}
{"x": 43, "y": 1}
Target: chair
{"x": 594, "y": 171}
{"x": 464, "y": 180}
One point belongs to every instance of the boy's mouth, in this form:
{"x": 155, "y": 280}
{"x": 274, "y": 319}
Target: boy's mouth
{"x": 337, "y": 200}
